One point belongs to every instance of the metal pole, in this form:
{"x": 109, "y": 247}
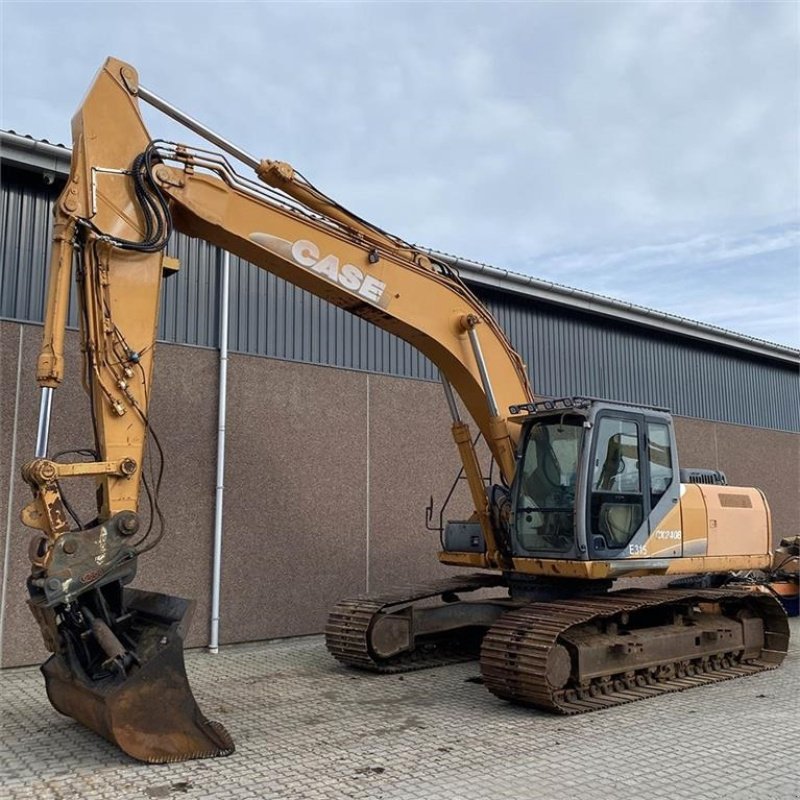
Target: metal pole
{"x": 487, "y": 384}
{"x": 451, "y": 400}
{"x": 198, "y": 127}
{"x": 43, "y": 428}
{"x": 223, "y": 402}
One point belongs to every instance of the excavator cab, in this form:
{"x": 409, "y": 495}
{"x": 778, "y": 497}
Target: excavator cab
{"x": 594, "y": 478}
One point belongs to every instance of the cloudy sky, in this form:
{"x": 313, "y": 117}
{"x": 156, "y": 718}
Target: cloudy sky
{"x": 645, "y": 151}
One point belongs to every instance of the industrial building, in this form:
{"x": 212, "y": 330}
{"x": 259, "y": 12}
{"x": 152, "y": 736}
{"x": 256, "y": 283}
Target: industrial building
{"x": 337, "y": 432}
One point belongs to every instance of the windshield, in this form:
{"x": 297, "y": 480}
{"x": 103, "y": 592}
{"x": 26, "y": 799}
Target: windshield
{"x": 545, "y": 512}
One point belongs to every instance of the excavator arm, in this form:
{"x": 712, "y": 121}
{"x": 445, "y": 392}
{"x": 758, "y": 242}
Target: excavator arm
{"x": 114, "y": 648}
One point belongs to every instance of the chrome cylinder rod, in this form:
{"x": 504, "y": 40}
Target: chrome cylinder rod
{"x": 200, "y": 129}
{"x": 43, "y": 428}
{"x": 451, "y": 400}
{"x": 487, "y": 384}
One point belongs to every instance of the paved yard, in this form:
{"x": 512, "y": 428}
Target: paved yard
{"x": 307, "y": 728}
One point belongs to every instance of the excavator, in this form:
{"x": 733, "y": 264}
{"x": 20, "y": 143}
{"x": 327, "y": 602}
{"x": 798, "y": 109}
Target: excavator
{"x": 588, "y": 490}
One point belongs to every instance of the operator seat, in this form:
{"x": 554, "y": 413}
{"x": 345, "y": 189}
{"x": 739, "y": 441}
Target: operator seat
{"x": 619, "y": 521}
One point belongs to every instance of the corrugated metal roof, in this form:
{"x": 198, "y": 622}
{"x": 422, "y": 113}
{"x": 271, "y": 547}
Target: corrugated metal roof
{"x": 508, "y": 280}
{"x": 60, "y": 145}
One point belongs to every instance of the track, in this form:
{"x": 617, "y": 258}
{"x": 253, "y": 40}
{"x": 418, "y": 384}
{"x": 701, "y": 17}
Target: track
{"x": 525, "y": 648}
{"x": 349, "y": 623}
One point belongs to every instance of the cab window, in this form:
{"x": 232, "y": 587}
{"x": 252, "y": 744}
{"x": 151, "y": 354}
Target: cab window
{"x": 545, "y": 512}
{"x": 659, "y": 454}
{"x": 616, "y": 466}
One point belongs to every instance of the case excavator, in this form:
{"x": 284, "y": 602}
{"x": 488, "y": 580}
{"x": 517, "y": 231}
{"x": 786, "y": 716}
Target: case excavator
{"x": 588, "y": 490}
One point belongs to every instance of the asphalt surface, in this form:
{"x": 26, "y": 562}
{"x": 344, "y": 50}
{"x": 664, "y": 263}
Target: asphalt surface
{"x": 306, "y": 728}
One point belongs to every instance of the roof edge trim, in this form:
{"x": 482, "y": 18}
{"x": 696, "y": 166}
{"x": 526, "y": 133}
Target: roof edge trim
{"x": 581, "y": 300}
{"x": 35, "y": 153}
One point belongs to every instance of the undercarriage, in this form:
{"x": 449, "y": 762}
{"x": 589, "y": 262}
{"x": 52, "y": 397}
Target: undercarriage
{"x": 565, "y": 654}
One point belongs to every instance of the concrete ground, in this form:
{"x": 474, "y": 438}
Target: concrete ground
{"x": 307, "y": 729}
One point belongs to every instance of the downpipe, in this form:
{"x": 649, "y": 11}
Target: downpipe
{"x": 220, "y": 490}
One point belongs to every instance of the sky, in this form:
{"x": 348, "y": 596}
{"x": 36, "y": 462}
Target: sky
{"x": 645, "y": 151}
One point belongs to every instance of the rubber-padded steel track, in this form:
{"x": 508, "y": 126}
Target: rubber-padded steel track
{"x": 517, "y": 649}
{"x": 349, "y": 623}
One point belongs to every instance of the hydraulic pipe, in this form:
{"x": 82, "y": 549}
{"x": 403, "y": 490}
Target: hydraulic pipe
{"x": 198, "y": 127}
{"x": 273, "y": 173}
{"x": 223, "y": 402}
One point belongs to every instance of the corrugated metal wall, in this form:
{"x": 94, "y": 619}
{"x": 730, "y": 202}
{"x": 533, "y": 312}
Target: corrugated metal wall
{"x": 570, "y": 353}
{"x": 25, "y": 228}
{"x": 566, "y": 352}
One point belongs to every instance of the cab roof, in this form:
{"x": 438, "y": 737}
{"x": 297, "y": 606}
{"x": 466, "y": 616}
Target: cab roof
{"x": 580, "y": 404}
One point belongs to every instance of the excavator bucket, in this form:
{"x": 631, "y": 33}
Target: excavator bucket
{"x": 149, "y": 710}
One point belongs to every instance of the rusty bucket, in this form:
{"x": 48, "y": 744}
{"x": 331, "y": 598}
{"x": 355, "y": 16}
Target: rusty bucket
{"x": 149, "y": 712}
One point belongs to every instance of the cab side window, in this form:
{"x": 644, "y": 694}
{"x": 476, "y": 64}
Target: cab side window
{"x": 659, "y": 454}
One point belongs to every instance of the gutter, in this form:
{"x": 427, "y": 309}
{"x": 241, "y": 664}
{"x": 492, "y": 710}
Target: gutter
{"x": 34, "y": 154}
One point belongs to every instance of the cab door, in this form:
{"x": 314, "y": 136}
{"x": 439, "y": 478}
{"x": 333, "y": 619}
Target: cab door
{"x": 618, "y": 487}
{"x": 633, "y": 488}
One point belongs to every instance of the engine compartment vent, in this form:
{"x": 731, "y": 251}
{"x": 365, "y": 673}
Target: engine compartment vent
{"x": 694, "y": 475}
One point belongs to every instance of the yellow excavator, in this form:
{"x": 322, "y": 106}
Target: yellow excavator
{"x": 589, "y": 490}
